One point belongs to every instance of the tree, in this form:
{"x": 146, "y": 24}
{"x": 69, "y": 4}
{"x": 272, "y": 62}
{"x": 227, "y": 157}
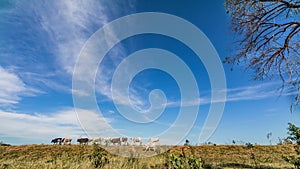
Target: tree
{"x": 294, "y": 133}
{"x": 294, "y": 136}
{"x": 268, "y": 39}
{"x": 187, "y": 142}
{"x": 269, "y": 137}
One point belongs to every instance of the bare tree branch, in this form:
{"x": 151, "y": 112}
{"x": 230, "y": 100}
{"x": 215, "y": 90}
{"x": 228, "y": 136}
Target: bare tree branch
{"x": 268, "y": 40}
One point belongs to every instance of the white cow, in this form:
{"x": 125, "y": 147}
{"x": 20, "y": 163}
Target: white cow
{"x": 106, "y": 140}
{"x": 153, "y": 140}
{"x": 96, "y": 140}
{"x": 136, "y": 140}
{"x": 124, "y": 140}
{"x": 149, "y": 147}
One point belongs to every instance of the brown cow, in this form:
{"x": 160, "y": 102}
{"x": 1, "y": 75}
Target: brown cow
{"x": 116, "y": 140}
{"x": 83, "y": 141}
{"x": 66, "y": 140}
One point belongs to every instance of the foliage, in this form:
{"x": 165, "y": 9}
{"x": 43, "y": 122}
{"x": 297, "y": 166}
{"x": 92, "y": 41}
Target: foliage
{"x": 4, "y": 166}
{"x": 269, "y": 137}
{"x": 294, "y": 133}
{"x": 268, "y": 39}
{"x": 98, "y": 157}
{"x": 294, "y": 136}
{"x": 187, "y": 143}
{"x": 178, "y": 161}
{"x": 194, "y": 162}
{"x": 295, "y": 160}
{"x": 233, "y": 142}
{"x": 252, "y": 155}
{"x": 249, "y": 145}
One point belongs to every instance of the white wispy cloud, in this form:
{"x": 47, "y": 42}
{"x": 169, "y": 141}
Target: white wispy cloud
{"x": 257, "y": 92}
{"x": 70, "y": 25}
{"x": 244, "y": 93}
{"x": 64, "y": 27}
{"x": 60, "y": 28}
{"x": 12, "y": 88}
{"x": 45, "y": 81}
{"x": 41, "y": 127}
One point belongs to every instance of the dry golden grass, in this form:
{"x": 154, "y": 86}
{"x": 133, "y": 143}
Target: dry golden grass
{"x": 235, "y": 156}
{"x": 75, "y": 156}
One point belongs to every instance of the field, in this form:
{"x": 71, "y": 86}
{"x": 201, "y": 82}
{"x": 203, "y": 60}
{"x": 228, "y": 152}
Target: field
{"x": 75, "y": 156}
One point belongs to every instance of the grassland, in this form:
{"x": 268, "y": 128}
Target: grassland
{"x": 75, "y": 156}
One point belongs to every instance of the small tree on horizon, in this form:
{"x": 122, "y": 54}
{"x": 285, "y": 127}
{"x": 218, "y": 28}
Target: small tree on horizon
{"x": 269, "y": 137}
{"x": 187, "y": 142}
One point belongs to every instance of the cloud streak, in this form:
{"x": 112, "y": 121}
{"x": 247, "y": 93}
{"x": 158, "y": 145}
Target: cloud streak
{"x": 70, "y": 26}
{"x": 245, "y": 93}
{"x": 12, "y": 88}
{"x": 42, "y": 127}
{"x": 62, "y": 28}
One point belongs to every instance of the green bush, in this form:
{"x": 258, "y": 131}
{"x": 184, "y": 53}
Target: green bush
{"x": 293, "y": 160}
{"x": 98, "y": 157}
{"x": 294, "y": 133}
{"x": 178, "y": 161}
{"x": 4, "y": 166}
{"x": 249, "y": 145}
{"x": 294, "y": 136}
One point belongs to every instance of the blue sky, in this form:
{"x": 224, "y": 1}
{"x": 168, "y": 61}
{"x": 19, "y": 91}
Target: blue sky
{"x": 40, "y": 42}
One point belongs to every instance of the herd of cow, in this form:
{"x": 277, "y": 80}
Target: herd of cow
{"x": 105, "y": 141}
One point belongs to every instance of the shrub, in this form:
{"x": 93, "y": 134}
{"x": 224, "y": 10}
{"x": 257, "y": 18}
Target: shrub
{"x": 293, "y": 160}
{"x": 294, "y": 133}
{"x": 98, "y": 157}
{"x": 249, "y": 145}
{"x": 294, "y": 136}
{"x": 4, "y": 144}
{"x": 187, "y": 143}
{"x": 4, "y": 166}
{"x": 178, "y": 161}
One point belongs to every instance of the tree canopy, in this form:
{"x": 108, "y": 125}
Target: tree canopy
{"x": 268, "y": 39}
{"x": 294, "y": 133}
